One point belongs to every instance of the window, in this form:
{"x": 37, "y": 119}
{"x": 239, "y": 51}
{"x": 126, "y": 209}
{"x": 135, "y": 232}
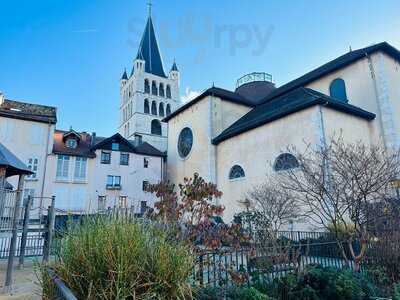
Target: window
{"x": 161, "y": 90}
{"x": 80, "y": 168}
{"x": 102, "y": 202}
{"x": 113, "y": 182}
{"x": 72, "y": 143}
{"x": 62, "y": 167}
{"x": 33, "y": 166}
{"x": 161, "y": 109}
{"x": 154, "y": 90}
{"x": 115, "y": 146}
{"x": 337, "y": 89}
{"x": 124, "y": 159}
{"x": 154, "y": 108}
{"x": 236, "y": 172}
{"x": 168, "y": 92}
{"x": 145, "y": 163}
{"x": 105, "y": 157}
{"x": 168, "y": 109}
{"x": 122, "y": 201}
{"x": 146, "y": 86}
{"x": 145, "y": 185}
{"x": 143, "y": 207}
{"x": 285, "y": 161}
{"x": 156, "y": 127}
{"x": 185, "y": 142}
{"x": 146, "y": 106}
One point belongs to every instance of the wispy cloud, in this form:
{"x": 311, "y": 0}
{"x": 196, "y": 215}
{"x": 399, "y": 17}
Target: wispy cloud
{"x": 189, "y": 95}
{"x": 88, "y": 30}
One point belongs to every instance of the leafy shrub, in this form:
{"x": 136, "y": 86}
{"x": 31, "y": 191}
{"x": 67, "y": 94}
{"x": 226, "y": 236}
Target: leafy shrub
{"x": 396, "y": 295}
{"x": 317, "y": 283}
{"x": 114, "y": 259}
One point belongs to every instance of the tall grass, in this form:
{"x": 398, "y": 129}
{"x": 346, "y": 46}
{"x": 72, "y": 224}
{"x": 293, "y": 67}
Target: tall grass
{"x": 115, "y": 259}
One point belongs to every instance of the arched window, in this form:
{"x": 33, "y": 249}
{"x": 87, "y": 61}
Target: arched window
{"x": 153, "y": 108}
{"x": 146, "y": 86}
{"x": 161, "y": 90}
{"x": 337, "y": 89}
{"x": 146, "y": 109}
{"x": 156, "y": 127}
{"x": 154, "y": 90}
{"x": 285, "y": 161}
{"x": 236, "y": 172}
{"x": 168, "y": 92}
{"x": 161, "y": 109}
{"x": 168, "y": 109}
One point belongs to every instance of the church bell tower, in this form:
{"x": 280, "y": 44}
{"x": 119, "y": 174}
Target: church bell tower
{"x": 148, "y": 94}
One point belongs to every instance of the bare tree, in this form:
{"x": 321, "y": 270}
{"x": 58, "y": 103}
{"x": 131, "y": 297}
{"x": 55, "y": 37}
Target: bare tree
{"x": 336, "y": 185}
{"x": 275, "y": 206}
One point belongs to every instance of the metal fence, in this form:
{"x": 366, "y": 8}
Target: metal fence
{"x": 34, "y": 243}
{"x": 226, "y": 266}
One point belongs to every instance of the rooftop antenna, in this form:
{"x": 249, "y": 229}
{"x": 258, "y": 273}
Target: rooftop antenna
{"x": 350, "y": 48}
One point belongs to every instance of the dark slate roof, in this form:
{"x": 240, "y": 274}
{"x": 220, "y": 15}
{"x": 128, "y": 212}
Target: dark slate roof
{"x": 340, "y": 62}
{"x": 83, "y": 148}
{"x": 14, "y": 166}
{"x": 124, "y": 76}
{"x": 28, "y": 111}
{"x": 149, "y": 51}
{"x": 217, "y": 92}
{"x": 291, "y": 102}
{"x": 174, "y": 67}
{"x": 147, "y": 149}
{"x": 87, "y": 146}
{"x": 143, "y": 148}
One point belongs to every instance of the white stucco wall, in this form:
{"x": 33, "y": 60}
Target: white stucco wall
{"x": 28, "y": 139}
{"x": 74, "y": 195}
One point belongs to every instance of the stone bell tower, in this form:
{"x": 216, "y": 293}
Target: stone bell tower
{"x": 148, "y": 94}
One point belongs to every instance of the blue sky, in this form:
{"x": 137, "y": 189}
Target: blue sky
{"x": 71, "y": 54}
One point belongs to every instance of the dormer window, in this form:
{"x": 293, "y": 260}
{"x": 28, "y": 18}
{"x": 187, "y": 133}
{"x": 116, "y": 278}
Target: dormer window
{"x": 71, "y": 143}
{"x": 115, "y": 146}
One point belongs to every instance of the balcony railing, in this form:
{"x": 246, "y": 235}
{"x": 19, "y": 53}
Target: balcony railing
{"x": 255, "y": 76}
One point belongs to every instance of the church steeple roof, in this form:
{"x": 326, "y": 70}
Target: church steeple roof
{"x": 174, "y": 67}
{"x": 149, "y": 51}
{"x": 124, "y": 76}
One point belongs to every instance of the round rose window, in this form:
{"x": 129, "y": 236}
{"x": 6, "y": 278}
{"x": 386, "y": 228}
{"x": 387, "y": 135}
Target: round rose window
{"x": 185, "y": 142}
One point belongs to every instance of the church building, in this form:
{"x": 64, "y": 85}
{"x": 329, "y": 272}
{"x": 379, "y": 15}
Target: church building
{"x": 238, "y": 138}
{"x": 148, "y": 94}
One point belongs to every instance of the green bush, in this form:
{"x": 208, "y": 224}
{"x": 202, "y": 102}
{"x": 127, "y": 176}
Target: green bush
{"x": 396, "y": 295}
{"x": 319, "y": 283}
{"x": 113, "y": 259}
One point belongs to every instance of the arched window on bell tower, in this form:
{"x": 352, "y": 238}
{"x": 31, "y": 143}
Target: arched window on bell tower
{"x": 156, "y": 127}
{"x": 146, "y": 109}
{"x": 161, "y": 92}
{"x": 161, "y": 109}
{"x": 146, "y": 86}
{"x": 168, "y": 92}
{"x": 154, "y": 90}
{"x": 154, "y": 108}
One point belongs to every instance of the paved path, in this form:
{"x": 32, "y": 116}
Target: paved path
{"x": 25, "y": 282}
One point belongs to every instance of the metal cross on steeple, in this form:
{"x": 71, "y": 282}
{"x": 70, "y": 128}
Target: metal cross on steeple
{"x": 149, "y": 4}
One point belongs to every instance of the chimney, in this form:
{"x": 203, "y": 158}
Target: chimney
{"x": 93, "y": 139}
{"x": 2, "y": 97}
{"x": 138, "y": 140}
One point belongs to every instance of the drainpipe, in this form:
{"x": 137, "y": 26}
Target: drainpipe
{"x": 373, "y": 76}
